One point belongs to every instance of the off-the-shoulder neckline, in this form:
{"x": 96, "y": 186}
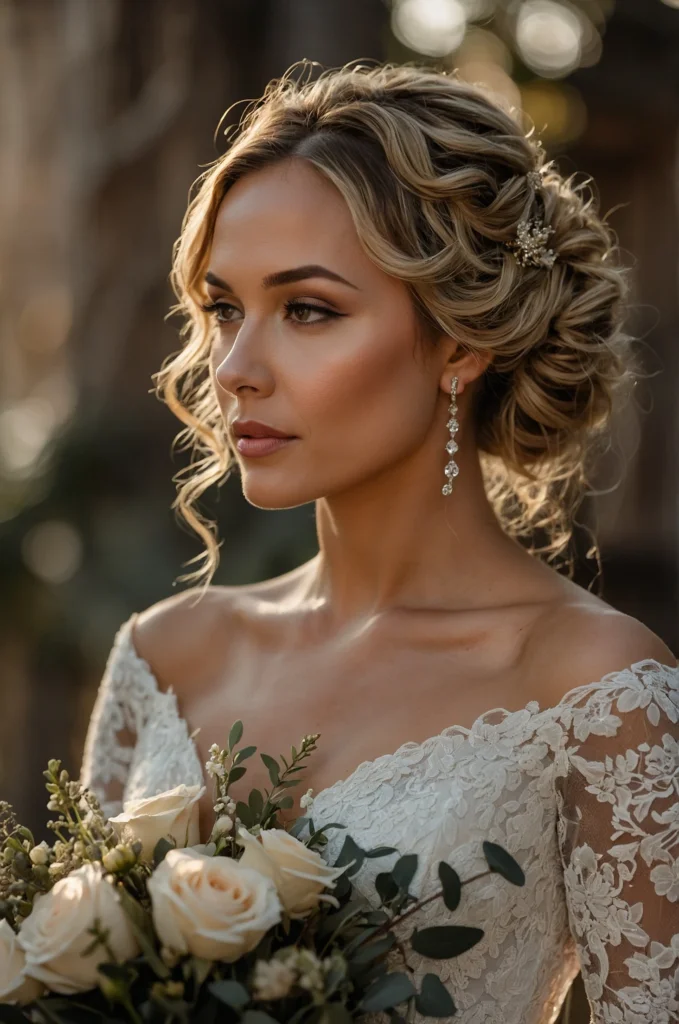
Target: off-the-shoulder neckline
{"x": 530, "y": 710}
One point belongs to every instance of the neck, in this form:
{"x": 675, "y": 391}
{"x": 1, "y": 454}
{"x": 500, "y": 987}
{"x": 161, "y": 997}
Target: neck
{"x": 396, "y": 542}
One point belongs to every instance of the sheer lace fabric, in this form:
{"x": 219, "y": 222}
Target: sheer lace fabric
{"x": 585, "y": 795}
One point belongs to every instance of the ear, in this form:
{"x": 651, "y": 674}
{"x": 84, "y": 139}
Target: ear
{"x": 465, "y": 365}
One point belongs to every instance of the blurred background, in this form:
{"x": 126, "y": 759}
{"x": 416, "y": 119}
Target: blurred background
{"x": 108, "y": 111}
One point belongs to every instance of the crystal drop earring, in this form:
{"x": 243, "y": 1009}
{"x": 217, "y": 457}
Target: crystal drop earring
{"x": 452, "y": 469}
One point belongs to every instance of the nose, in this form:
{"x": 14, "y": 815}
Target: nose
{"x": 242, "y": 368}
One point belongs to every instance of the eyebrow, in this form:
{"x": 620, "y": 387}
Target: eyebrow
{"x": 286, "y": 277}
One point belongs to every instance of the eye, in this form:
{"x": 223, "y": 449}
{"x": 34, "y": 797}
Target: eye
{"x": 306, "y": 307}
{"x": 291, "y": 306}
{"x": 215, "y": 308}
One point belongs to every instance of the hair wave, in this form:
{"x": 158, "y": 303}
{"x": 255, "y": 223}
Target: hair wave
{"x": 433, "y": 170}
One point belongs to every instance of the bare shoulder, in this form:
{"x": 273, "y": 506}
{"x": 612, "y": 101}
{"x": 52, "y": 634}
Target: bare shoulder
{"x": 579, "y": 642}
{"x": 170, "y": 633}
{"x": 179, "y": 635}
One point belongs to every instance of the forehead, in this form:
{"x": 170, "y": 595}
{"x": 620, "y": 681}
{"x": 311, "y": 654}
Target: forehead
{"x": 288, "y": 199}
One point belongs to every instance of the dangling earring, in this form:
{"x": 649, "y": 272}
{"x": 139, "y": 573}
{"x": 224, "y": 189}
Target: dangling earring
{"x": 452, "y": 469}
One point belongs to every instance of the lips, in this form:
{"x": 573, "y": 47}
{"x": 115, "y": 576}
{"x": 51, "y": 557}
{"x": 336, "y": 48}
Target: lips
{"x": 253, "y": 428}
{"x": 256, "y": 446}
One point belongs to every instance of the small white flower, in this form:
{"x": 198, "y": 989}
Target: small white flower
{"x": 215, "y": 750}
{"x": 307, "y": 800}
{"x": 223, "y": 824}
{"x": 272, "y": 979}
{"x": 40, "y": 854}
{"x": 214, "y": 768}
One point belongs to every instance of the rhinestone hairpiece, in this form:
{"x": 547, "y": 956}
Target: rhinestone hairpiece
{"x": 531, "y": 235}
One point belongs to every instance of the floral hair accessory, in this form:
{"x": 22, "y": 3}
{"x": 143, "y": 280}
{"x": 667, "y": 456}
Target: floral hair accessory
{"x": 531, "y": 235}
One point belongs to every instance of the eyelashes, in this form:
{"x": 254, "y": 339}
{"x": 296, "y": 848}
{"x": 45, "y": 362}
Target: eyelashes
{"x": 215, "y": 308}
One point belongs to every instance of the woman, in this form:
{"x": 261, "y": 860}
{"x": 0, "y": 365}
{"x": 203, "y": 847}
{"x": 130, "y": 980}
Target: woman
{"x": 396, "y": 310}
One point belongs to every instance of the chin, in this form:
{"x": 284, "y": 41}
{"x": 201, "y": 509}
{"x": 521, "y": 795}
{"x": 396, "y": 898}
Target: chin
{"x": 275, "y": 497}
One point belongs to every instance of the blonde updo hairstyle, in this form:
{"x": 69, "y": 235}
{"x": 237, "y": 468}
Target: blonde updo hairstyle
{"x": 434, "y": 173}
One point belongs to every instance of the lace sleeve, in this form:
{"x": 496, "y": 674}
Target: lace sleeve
{"x": 116, "y": 721}
{"x": 618, "y": 831}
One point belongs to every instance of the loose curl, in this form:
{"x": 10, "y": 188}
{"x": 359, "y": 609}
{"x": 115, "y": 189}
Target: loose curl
{"x": 433, "y": 171}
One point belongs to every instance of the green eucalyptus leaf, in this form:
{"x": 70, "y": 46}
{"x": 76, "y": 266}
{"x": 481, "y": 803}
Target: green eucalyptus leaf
{"x": 503, "y": 863}
{"x": 230, "y": 992}
{"x": 358, "y": 940}
{"x": 274, "y": 769}
{"x": 161, "y": 850}
{"x": 236, "y": 773}
{"x": 315, "y": 832}
{"x": 380, "y": 851}
{"x": 140, "y": 924}
{"x": 387, "y": 991}
{"x": 404, "y": 869}
{"x": 245, "y": 814}
{"x": 235, "y": 734}
{"x": 332, "y": 922}
{"x": 241, "y": 755}
{"x": 298, "y": 826}
{"x": 434, "y": 999}
{"x": 443, "y": 941}
{"x": 286, "y": 802}
{"x": 256, "y": 802}
{"x": 372, "y": 950}
{"x": 386, "y": 887}
{"x": 376, "y": 917}
{"x": 350, "y": 851}
{"x": 451, "y": 884}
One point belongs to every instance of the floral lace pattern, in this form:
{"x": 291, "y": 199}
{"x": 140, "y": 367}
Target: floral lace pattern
{"x": 584, "y": 794}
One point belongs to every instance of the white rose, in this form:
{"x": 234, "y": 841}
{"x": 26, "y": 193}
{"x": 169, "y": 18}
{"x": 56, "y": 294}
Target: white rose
{"x": 172, "y": 813}
{"x": 15, "y": 985}
{"x": 211, "y": 907}
{"x": 55, "y": 933}
{"x": 300, "y": 874}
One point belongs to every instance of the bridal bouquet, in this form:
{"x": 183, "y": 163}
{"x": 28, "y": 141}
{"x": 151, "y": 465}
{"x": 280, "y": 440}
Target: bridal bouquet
{"x": 133, "y": 919}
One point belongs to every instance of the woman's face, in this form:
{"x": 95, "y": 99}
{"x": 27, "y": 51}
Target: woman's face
{"x": 327, "y": 354}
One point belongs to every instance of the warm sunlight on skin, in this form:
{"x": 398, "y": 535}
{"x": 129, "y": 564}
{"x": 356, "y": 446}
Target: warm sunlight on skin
{"x": 366, "y": 403}
{"x": 345, "y": 378}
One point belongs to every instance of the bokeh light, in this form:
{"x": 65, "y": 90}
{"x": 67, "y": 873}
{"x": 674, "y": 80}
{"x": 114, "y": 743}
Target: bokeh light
{"x": 25, "y": 428}
{"x": 549, "y": 37}
{"x": 53, "y": 551}
{"x": 432, "y": 27}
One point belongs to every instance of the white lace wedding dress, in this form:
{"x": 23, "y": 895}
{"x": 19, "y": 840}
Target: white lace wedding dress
{"x": 585, "y": 796}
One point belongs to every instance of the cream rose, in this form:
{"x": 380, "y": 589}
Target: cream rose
{"x": 300, "y": 874}
{"x": 172, "y": 813}
{"x": 15, "y": 985}
{"x": 211, "y": 907}
{"x": 55, "y": 933}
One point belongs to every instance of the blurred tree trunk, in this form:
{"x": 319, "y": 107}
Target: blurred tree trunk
{"x": 109, "y": 112}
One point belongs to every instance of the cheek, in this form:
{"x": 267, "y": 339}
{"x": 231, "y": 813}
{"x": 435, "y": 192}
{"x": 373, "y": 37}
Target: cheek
{"x": 377, "y": 390}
